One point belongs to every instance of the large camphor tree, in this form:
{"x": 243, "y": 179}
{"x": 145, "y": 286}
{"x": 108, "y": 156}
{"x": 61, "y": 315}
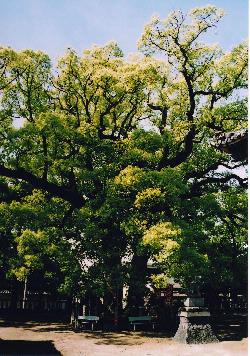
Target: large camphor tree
{"x": 115, "y": 162}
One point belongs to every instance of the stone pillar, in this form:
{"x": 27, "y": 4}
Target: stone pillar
{"x": 194, "y": 327}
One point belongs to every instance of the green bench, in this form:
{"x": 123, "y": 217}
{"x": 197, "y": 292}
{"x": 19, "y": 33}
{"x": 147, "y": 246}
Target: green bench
{"x": 141, "y": 320}
{"x": 88, "y": 319}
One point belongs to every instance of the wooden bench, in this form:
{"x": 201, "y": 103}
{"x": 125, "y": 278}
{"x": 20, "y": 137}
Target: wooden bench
{"x": 88, "y": 319}
{"x": 141, "y": 320}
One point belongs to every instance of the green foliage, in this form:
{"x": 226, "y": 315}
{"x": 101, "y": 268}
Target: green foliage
{"x": 160, "y": 280}
{"x": 161, "y": 237}
{"x": 114, "y": 159}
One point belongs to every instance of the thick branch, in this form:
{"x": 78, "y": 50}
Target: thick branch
{"x": 196, "y": 188}
{"x": 181, "y": 156}
{"x": 46, "y": 162}
{"x": 72, "y": 197}
{"x": 201, "y": 174}
{"x": 164, "y": 115}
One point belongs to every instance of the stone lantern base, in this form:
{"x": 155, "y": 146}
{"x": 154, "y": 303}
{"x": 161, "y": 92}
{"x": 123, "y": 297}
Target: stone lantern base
{"x": 194, "y": 327}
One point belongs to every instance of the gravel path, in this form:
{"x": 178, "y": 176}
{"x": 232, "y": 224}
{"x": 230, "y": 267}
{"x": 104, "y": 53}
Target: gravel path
{"x": 57, "y": 339}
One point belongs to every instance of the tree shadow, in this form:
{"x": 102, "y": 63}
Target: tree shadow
{"x": 27, "y": 348}
{"x": 127, "y": 338}
{"x": 231, "y": 327}
{"x": 113, "y": 338}
{"x": 57, "y": 328}
{"x": 37, "y": 326}
{"x": 20, "y": 324}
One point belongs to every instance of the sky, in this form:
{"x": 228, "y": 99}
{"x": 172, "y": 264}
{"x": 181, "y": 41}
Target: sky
{"x": 54, "y": 25}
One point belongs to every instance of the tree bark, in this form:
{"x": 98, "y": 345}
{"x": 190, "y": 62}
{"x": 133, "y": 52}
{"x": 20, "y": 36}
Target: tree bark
{"x": 137, "y": 283}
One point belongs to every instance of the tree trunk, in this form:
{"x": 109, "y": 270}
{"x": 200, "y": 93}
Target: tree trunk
{"x": 14, "y": 295}
{"x": 235, "y": 281}
{"x": 137, "y": 284}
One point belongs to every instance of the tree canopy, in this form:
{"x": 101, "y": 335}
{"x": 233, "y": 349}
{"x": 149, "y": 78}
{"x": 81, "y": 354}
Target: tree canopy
{"x": 114, "y": 160}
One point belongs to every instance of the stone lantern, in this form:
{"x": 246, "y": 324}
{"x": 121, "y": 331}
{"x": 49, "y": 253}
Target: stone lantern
{"x": 194, "y": 327}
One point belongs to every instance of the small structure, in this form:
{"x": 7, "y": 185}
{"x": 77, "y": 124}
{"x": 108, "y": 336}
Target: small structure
{"x": 233, "y": 143}
{"x": 194, "y": 327}
{"x": 88, "y": 319}
{"x": 141, "y": 320}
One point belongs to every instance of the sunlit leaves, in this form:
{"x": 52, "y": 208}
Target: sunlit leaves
{"x": 31, "y": 247}
{"x": 161, "y": 237}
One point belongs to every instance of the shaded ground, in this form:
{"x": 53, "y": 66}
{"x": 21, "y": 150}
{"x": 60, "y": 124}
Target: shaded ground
{"x": 230, "y": 327}
{"x": 31, "y": 338}
{"x": 14, "y": 347}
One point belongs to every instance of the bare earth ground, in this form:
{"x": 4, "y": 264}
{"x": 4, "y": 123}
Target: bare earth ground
{"x": 30, "y": 338}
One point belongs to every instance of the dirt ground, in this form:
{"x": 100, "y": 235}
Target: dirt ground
{"x": 30, "y": 338}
